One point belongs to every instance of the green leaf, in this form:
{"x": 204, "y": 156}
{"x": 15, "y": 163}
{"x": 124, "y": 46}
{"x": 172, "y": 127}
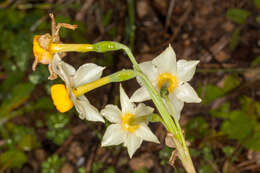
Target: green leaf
{"x": 165, "y": 155}
{"x": 222, "y": 111}
{"x": 18, "y": 95}
{"x": 234, "y": 39}
{"x": 28, "y": 142}
{"x": 254, "y": 141}
{"x": 239, "y": 126}
{"x": 210, "y": 92}
{"x": 231, "y": 82}
{"x": 237, "y": 15}
{"x": 143, "y": 170}
{"x": 205, "y": 168}
{"x": 199, "y": 126}
{"x": 96, "y": 167}
{"x": 257, "y": 19}
{"x": 257, "y": 3}
{"x": 110, "y": 169}
{"x": 13, "y": 158}
{"x": 228, "y": 150}
{"x": 256, "y": 61}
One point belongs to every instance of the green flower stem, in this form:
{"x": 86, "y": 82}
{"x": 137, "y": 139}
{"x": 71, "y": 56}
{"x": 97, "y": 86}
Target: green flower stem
{"x": 168, "y": 121}
{"x": 119, "y": 76}
{"x": 182, "y": 148}
{"x": 122, "y": 75}
{"x": 170, "y": 125}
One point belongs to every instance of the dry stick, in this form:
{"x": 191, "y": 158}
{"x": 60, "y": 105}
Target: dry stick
{"x": 183, "y": 19}
{"x": 169, "y": 15}
{"x": 80, "y": 15}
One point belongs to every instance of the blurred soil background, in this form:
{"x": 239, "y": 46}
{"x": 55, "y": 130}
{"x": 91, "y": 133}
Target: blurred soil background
{"x": 223, "y": 131}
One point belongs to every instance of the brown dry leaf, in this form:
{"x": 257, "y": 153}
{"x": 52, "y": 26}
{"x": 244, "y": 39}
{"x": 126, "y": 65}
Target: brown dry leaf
{"x": 252, "y": 74}
{"x": 222, "y": 56}
{"x": 67, "y": 168}
{"x": 144, "y": 161}
{"x": 173, "y": 157}
{"x": 169, "y": 141}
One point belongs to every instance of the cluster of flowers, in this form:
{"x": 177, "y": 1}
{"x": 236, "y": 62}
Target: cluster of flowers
{"x": 128, "y": 125}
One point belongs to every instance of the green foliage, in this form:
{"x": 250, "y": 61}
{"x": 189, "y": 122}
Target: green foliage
{"x": 210, "y": 92}
{"x": 256, "y": 61}
{"x": 228, "y": 151}
{"x": 57, "y": 130}
{"x": 198, "y": 128}
{"x": 82, "y": 170}
{"x": 110, "y": 169}
{"x": 13, "y": 159}
{"x": 235, "y": 127}
{"x": 143, "y": 170}
{"x": 257, "y": 19}
{"x": 96, "y": 167}
{"x": 257, "y": 3}
{"x": 231, "y": 82}
{"x": 222, "y": 111}
{"x": 107, "y": 17}
{"x": 241, "y": 124}
{"x": 40, "y": 75}
{"x": 206, "y": 168}
{"x": 234, "y": 39}
{"x": 237, "y": 15}
{"x": 52, "y": 164}
{"x": 165, "y": 155}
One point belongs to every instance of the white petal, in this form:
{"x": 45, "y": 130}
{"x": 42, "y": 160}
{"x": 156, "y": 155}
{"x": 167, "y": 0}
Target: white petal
{"x": 113, "y": 135}
{"x": 62, "y": 69}
{"x": 132, "y": 143}
{"x": 146, "y": 134}
{"x": 87, "y": 73}
{"x": 177, "y": 105}
{"x": 140, "y": 95}
{"x": 187, "y": 94}
{"x": 112, "y": 113}
{"x": 142, "y": 110}
{"x": 85, "y": 109}
{"x": 166, "y": 61}
{"x": 186, "y": 69}
{"x": 149, "y": 70}
{"x": 126, "y": 105}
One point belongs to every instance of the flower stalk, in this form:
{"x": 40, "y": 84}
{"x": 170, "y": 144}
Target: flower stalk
{"x": 171, "y": 125}
{"x": 119, "y": 76}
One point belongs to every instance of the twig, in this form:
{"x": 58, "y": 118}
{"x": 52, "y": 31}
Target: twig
{"x": 80, "y": 15}
{"x": 169, "y": 15}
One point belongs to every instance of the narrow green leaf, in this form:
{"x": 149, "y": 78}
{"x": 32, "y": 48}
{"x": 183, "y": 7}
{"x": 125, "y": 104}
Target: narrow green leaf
{"x": 237, "y": 15}
{"x": 234, "y": 39}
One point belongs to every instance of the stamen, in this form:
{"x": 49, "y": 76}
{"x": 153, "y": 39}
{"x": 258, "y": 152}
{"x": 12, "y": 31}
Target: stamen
{"x": 126, "y": 123}
{"x": 61, "y": 98}
{"x": 167, "y": 80}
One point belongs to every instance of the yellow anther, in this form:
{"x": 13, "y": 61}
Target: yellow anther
{"x": 167, "y": 79}
{"x": 61, "y": 98}
{"x": 126, "y": 123}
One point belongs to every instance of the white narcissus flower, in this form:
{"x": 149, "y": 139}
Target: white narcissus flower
{"x": 123, "y": 131}
{"x": 164, "y": 71}
{"x": 64, "y": 99}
